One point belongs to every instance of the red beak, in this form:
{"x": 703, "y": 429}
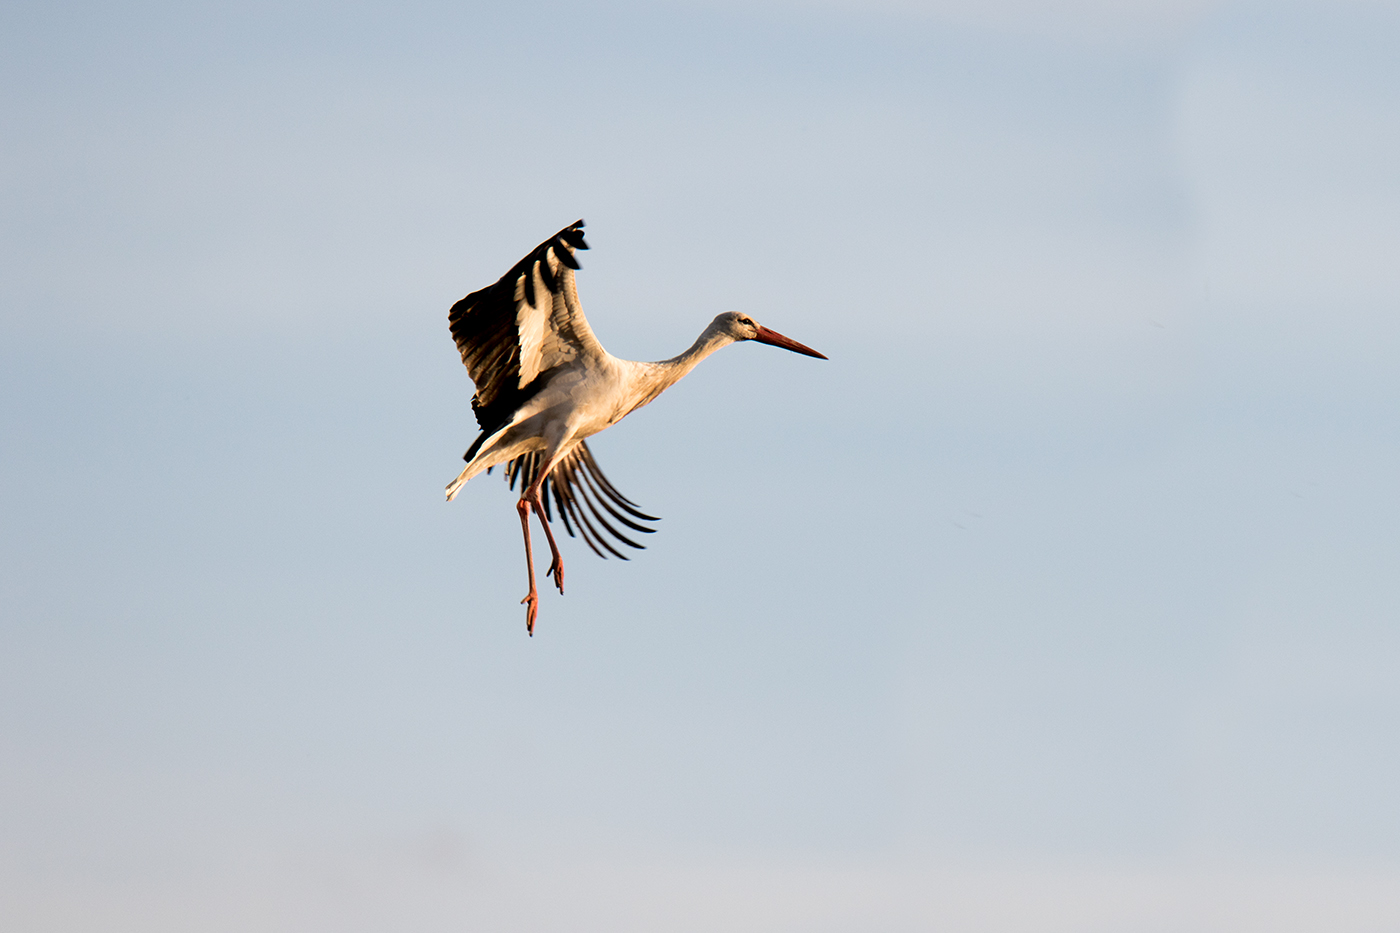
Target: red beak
{"x": 775, "y": 339}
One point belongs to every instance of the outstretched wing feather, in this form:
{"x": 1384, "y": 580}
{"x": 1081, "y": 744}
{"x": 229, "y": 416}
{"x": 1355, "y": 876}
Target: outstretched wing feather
{"x": 586, "y": 457}
{"x": 526, "y": 324}
{"x": 582, "y": 498}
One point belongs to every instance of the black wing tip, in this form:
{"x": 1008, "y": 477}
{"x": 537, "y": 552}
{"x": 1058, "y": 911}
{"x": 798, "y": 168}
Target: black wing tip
{"x": 572, "y": 235}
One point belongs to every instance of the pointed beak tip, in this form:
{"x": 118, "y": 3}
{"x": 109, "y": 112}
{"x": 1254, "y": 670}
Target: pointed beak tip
{"x": 775, "y": 339}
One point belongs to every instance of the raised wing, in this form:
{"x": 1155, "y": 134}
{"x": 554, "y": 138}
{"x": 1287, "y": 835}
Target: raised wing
{"x": 579, "y": 489}
{"x": 528, "y": 323}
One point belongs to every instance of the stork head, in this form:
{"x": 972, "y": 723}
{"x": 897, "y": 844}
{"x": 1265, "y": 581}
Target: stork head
{"x": 742, "y": 327}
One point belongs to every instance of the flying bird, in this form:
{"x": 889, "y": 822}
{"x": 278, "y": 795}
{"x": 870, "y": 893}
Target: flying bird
{"x": 544, "y": 384}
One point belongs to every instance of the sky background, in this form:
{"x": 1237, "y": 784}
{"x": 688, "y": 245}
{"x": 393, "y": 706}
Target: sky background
{"x": 1063, "y": 598}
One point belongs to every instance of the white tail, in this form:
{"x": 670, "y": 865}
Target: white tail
{"x": 456, "y": 485}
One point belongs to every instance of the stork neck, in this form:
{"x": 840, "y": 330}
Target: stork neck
{"x": 657, "y": 377}
{"x": 677, "y": 366}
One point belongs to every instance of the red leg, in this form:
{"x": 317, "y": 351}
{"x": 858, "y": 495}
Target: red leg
{"x": 532, "y": 598}
{"x": 556, "y": 563}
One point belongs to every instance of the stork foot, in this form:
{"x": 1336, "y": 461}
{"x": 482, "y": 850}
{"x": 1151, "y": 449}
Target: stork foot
{"x": 556, "y": 570}
{"x": 531, "y": 602}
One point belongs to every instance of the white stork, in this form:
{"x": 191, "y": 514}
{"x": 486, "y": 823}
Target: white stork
{"x": 544, "y": 384}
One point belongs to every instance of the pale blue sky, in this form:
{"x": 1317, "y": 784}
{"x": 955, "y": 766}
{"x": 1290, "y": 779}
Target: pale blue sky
{"x": 1062, "y": 598}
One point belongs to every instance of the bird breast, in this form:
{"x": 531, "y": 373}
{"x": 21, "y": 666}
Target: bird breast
{"x": 588, "y": 398}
